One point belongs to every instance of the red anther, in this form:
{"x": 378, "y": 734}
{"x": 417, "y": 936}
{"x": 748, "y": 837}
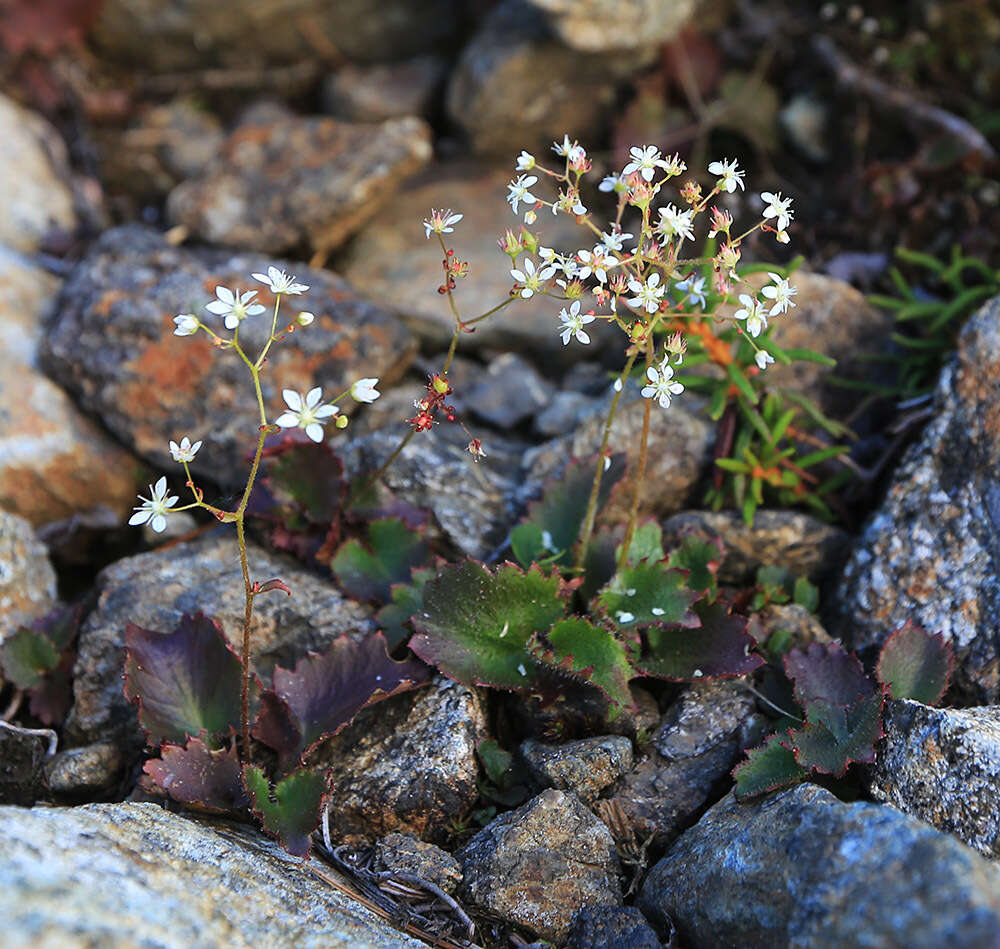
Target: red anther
{"x": 442, "y": 289}
{"x": 450, "y": 253}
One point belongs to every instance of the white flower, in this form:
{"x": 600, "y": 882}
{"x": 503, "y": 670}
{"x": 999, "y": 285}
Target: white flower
{"x": 571, "y": 150}
{"x": 674, "y": 221}
{"x": 364, "y": 390}
{"x": 645, "y": 161}
{"x": 763, "y": 359}
{"x": 573, "y": 324}
{"x": 595, "y": 263}
{"x": 614, "y": 241}
{"x": 782, "y": 237}
{"x": 777, "y": 207}
{"x": 441, "y": 222}
{"x": 155, "y": 508}
{"x": 185, "y": 451}
{"x": 234, "y": 306}
{"x": 280, "y": 282}
{"x": 729, "y": 174}
{"x": 612, "y": 183}
{"x": 660, "y": 387}
{"x": 518, "y": 191}
{"x": 753, "y": 312}
{"x": 187, "y": 325}
{"x": 525, "y": 161}
{"x": 781, "y": 292}
{"x": 647, "y": 295}
{"x": 304, "y": 318}
{"x": 530, "y": 279}
{"x": 306, "y": 413}
{"x": 693, "y": 288}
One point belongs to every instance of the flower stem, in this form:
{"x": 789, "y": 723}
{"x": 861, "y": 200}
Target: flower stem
{"x": 640, "y": 474}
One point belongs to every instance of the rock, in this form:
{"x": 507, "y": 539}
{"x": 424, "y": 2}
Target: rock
{"x": 593, "y": 26}
{"x": 27, "y": 580}
{"x": 560, "y": 416}
{"x": 798, "y": 542}
{"x": 537, "y": 865}
{"x": 795, "y": 626}
{"x": 611, "y": 927}
{"x": 509, "y": 392}
{"x": 111, "y": 344}
{"x": 167, "y": 35}
{"x": 581, "y": 711}
{"x": 585, "y": 767}
{"x": 390, "y": 261}
{"x": 155, "y": 589}
{"x": 398, "y": 853}
{"x": 26, "y": 292}
{"x": 408, "y": 766}
{"x": 701, "y": 737}
{"x": 547, "y": 89}
{"x": 851, "y": 875}
{"x": 679, "y": 443}
{"x": 388, "y": 91}
{"x": 34, "y": 179}
{"x": 83, "y": 771}
{"x": 22, "y": 755}
{"x": 929, "y": 554}
{"x": 943, "y": 766}
{"x": 287, "y": 181}
{"x": 134, "y": 874}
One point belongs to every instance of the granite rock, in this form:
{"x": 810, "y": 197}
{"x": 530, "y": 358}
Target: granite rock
{"x": 585, "y": 767}
{"x": 27, "y": 579}
{"x": 509, "y": 392}
{"x": 594, "y": 26}
{"x": 385, "y": 91}
{"x": 399, "y": 853}
{"x": 611, "y": 927}
{"x": 79, "y": 772}
{"x": 22, "y": 757}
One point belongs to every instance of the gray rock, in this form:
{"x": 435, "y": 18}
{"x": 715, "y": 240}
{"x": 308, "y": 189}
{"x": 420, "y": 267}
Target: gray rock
{"x": 155, "y": 589}
{"x": 388, "y": 91}
{"x": 593, "y": 26}
{"x": 87, "y": 770}
{"x": 943, "y": 766}
{"x": 26, "y": 293}
{"x": 799, "y": 542}
{"x": 124, "y": 875}
{"x": 509, "y": 392}
{"x": 22, "y": 756}
{"x": 701, "y": 737}
{"x": 399, "y": 853}
{"x": 611, "y": 927}
{"x": 930, "y": 553}
{"x": 585, "y": 767}
{"x": 111, "y": 344}
{"x": 281, "y": 182}
{"x": 801, "y": 868}
{"x": 536, "y": 866}
{"x": 408, "y": 766}
{"x": 27, "y": 579}
{"x": 563, "y": 413}
{"x": 794, "y": 624}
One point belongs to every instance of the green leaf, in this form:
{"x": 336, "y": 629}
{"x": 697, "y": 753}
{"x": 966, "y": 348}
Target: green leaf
{"x": 915, "y": 665}
{"x": 742, "y": 383}
{"x": 701, "y": 559}
{"x": 527, "y": 541}
{"x": 26, "y": 657}
{"x": 407, "y": 598}
{"x": 290, "y": 811}
{"x": 368, "y": 571}
{"x": 475, "y": 625}
{"x": 836, "y": 736}
{"x": 646, "y": 544}
{"x": 768, "y": 767}
{"x": 805, "y": 594}
{"x": 648, "y": 593}
{"x": 591, "y": 652}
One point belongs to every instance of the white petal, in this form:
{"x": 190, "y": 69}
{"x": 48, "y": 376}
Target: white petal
{"x": 292, "y": 399}
{"x": 140, "y": 517}
{"x": 158, "y": 522}
{"x": 161, "y": 487}
{"x": 313, "y": 396}
{"x": 225, "y": 294}
{"x": 325, "y": 411}
{"x": 288, "y": 420}
{"x": 583, "y": 336}
{"x": 315, "y": 431}
{"x": 218, "y": 307}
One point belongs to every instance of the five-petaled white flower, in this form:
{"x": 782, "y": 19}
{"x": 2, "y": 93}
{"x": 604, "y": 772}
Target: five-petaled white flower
{"x": 155, "y": 508}
{"x": 234, "y": 306}
{"x": 694, "y": 289}
{"x": 185, "y": 451}
{"x": 525, "y": 161}
{"x": 571, "y": 150}
{"x": 441, "y": 222}
{"x": 781, "y": 292}
{"x": 531, "y": 279}
{"x": 614, "y": 240}
{"x": 645, "y": 161}
{"x": 675, "y": 222}
{"x": 573, "y": 324}
{"x": 280, "y": 282}
{"x": 647, "y": 295}
{"x": 660, "y": 386}
{"x": 730, "y": 175}
{"x": 187, "y": 324}
{"x": 777, "y": 207}
{"x": 596, "y": 263}
{"x": 364, "y": 390}
{"x": 306, "y": 413}
{"x": 753, "y": 313}
{"x": 763, "y": 359}
{"x": 518, "y": 191}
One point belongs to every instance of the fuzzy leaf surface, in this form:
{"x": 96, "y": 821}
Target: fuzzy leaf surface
{"x": 186, "y": 683}
{"x": 646, "y": 594}
{"x": 367, "y": 571}
{"x": 475, "y": 625}
{"x": 767, "y": 767}
{"x": 915, "y": 665}
{"x": 290, "y": 810}
{"x": 701, "y": 559}
{"x": 200, "y": 777}
{"x": 835, "y": 736}
{"x": 827, "y": 673}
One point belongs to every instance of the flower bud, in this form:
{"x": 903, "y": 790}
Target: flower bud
{"x": 304, "y": 318}
{"x": 509, "y": 243}
{"x": 341, "y": 421}
{"x": 529, "y": 241}
{"x": 440, "y": 385}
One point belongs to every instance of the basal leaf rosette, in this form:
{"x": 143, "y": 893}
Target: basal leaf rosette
{"x": 648, "y": 594}
{"x": 476, "y": 625}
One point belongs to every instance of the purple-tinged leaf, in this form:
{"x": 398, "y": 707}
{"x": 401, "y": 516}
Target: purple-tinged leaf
{"x": 277, "y": 728}
{"x": 50, "y": 700}
{"x": 915, "y": 665}
{"x": 475, "y": 625}
{"x": 186, "y": 683}
{"x": 720, "y": 648}
{"x": 290, "y": 810}
{"x": 835, "y": 736}
{"x": 648, "y": 594}
{"x": 827, "y": 672}
{"x": 270, "y": 585}
{"x": 367, "y": 571}
{"x": 200, "y": 777}
{"x": 767, "y": 767}
{"x": 31, "y": 652}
